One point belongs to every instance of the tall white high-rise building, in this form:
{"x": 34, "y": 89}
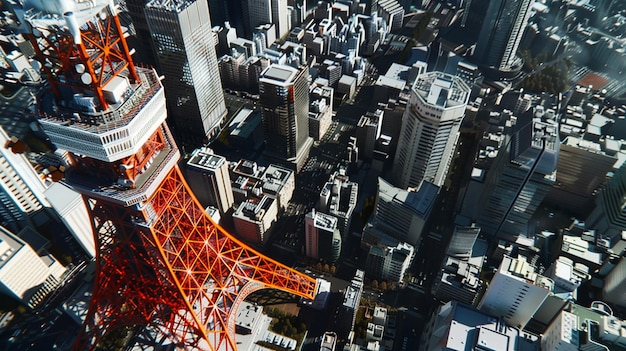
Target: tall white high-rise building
{"x": 209, "y": 179}
{"x": 21, "y": 189}
{"x": 280, "y": 17}
{"x": 184, "y": 44}
{"x": 457, "y": 327}
{"x": 516, "y": 292}
{"x": 338, "y": 198}
{"x": 430, "y": 129}
{"x": 73, "y": 212}
{"x": 259, "y": 12}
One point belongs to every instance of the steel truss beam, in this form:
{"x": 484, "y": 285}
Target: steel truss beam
{"x": 169, "y": 268}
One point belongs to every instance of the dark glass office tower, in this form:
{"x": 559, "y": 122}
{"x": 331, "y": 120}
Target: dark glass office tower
{"x": 501, "y": 34}
{"x": 141, "y": 42}
{"x": 183, "y": 41}
{"x": 518, "y": 181}
{"x": 284, "y": 97}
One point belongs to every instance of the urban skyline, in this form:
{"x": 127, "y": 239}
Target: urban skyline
{"x": 300, "y": 175}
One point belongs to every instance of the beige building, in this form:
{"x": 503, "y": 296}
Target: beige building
{"x": 24, "y": 274}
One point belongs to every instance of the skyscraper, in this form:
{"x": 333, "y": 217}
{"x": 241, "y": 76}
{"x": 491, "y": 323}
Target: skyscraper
{"x": 284, "y": 98}
{"x": 521, "y": 176}
{"x": 562, "y": 334}
{"x": 388, "y": 262}
{"x": 183, "y": 41}
{"x": 609, "y": 215}
{"x": 501, "y": 33}
{"x": 21, "y": 190}
{"x": 581, "y": 171}
{"x": 143, "y": 45}
{"x": 456, "y": 326}
{"x": 259, "y": 12}
{"x": 430, "y": 129}
{"x": 280, "y": 17}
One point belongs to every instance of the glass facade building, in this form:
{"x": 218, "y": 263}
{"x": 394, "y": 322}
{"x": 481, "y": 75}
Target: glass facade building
{"x": 184, "y": 44}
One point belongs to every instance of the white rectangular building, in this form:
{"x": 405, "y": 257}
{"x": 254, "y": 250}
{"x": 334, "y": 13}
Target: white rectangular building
{"x": 24, "y": 275}
{"x": 72, "y": 210}
{"x": 254, "y": 219}
{"x": 562, "y": 334}
{"x": 516, "y": 292}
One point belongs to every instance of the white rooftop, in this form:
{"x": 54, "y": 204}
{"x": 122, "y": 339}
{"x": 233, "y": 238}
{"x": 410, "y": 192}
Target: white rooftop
{"x": 470, "y": 329}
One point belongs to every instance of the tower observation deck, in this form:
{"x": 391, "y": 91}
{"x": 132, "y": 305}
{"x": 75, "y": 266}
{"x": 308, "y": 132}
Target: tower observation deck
{"x": 166, "y": 274}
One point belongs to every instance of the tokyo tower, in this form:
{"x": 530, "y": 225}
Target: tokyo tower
{"x": 164, "y": 270}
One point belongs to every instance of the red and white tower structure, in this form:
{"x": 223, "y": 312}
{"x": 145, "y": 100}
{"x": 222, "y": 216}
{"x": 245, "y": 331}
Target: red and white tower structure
{"x": 163, "y": 268}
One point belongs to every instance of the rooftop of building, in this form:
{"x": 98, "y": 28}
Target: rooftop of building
{"x": 466, "y": 271}
{"x": 278, "y": 75}
{"x": 341, "y": 193}
{"x": 441, "y": 90}
{"x": 599, "y": 321}
{"x": 245, "y": 123}
{"x": 9, "y": 245}
{"x": 460, "y": 273}
{"x": 398, "y": 71}
{"x": 351, "y": 297}
{"x": 472, "y": 329}
{"x": 347, "y": 80}
{"x": 329, "y": 339}
{"x": 323, "y": 91}
{"x": 248, "y": 168}
{"x": 577, "y": 247}
{"x": 169, "y": 5}
{"x": 275, "y": 178}
{"x": 254, "y": 208}
{"x": 380, "y": 312}
{"x": 248, "y": 315}
{"x": 324, "y": 221}
{"x": 204, "y": 158}
{"x": 276, "y": 173}
{"x": 420, "y": 201}
{"x": 521, "y": 269}
{"x": 390, "y": 82}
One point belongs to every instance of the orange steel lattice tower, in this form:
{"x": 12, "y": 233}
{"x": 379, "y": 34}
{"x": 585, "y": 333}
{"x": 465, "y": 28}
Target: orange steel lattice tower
{"x": 163, "y": 267}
